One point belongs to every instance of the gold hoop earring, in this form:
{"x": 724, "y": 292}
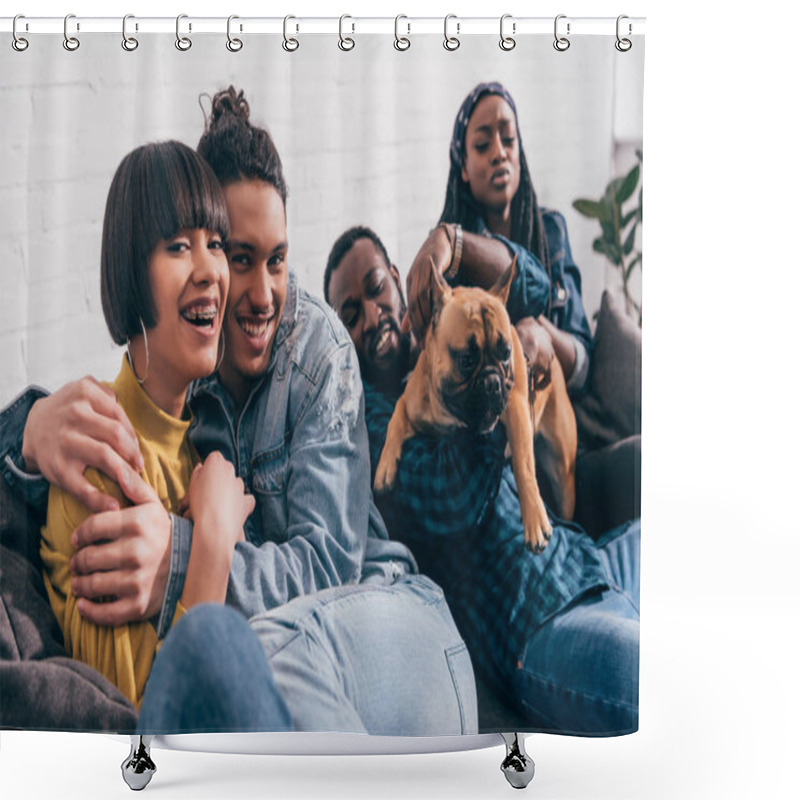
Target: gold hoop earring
{"x": 221, "y": 351}
{"x": 139, "y": 380}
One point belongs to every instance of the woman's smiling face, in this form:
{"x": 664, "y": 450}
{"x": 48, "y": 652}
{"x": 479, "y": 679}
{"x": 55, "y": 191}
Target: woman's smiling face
{"x": 491, "y": 154}
{"x": 189, "y": 280}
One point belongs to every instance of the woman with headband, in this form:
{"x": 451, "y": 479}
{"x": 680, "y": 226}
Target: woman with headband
{"x": 491, "y": 212}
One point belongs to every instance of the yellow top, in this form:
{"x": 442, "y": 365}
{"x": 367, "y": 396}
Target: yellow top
{"x": 123, "y": 654}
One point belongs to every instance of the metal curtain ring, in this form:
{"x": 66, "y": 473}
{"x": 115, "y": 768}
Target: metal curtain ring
{"x": 623, "y": 45}
{"x": 70, "y": 42}
{"x": 401, "y": 42}
{"x": 346, "y": 42}
{"x": 561, "y": 43}
{"x": 290, "y": 44}
{"x": 182, "y": 42}
{"x": 18, "y": 42}
{"x": 507, "y": 42}
{"x": 451, "y": 42}
{"x": 129, "y": 43}
{"x": 233, "y": 44}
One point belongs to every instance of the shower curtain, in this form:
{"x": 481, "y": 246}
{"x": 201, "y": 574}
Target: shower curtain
{"x": 375, "y": 138}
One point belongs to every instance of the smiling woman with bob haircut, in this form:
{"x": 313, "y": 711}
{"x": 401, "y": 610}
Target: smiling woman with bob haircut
{"x": 164, "y": 284}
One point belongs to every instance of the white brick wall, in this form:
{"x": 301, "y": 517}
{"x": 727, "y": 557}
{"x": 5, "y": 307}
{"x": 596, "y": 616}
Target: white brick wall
{"x": 363, "y": 135}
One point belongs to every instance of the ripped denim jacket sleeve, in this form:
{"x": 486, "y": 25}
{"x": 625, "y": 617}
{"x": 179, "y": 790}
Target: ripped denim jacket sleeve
{"x": 313, "y": 494}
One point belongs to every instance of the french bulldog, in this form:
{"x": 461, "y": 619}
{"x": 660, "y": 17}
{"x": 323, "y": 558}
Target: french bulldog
{"x": 472, "y": 373}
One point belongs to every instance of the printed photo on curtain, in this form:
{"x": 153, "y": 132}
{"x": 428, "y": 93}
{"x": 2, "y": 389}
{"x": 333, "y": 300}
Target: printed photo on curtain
{"x": 321, "y": 386}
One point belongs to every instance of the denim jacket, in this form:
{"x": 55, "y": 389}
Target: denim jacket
{"x": 300, "y": 445}
{"x": 530, "y": 293}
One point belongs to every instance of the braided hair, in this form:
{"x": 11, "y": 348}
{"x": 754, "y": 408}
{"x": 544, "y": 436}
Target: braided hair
{"x": 527, "y": 225}
{"x": 235, "y": 149}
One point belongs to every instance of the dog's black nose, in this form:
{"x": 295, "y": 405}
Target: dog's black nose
{"x": 492, "y": 384}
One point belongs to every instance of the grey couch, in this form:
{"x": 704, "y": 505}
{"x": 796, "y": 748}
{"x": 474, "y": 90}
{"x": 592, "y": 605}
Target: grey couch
{"x": 42, "y": 688}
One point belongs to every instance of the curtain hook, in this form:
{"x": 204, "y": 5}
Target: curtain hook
{"x": 623, "y": 45}
{"x": 401, "y": 42}
{"x": 71, "y": 43}
{"x": 129, "y": 43}
{"x": 234, "y": 45}
{"x": 290, "y": 44}
{"x": 346, "y": 42}
{"x": 182, "y": 42}
{"x": 561, "y": 43}
{"x": 507, "y": 42}
{"x": 18, "y": 42}
{"x": 451, "y": 42}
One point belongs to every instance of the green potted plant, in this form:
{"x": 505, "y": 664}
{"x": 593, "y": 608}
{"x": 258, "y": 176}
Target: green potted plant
{"x": 618, "y": 239}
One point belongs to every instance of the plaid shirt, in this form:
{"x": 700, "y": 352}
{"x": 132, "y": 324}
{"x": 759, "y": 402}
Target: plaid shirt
{"x": 455, "y": 503}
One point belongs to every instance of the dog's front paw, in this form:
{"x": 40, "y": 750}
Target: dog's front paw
{"x": 385, "y": 474}
{"x": 539, "y": 531}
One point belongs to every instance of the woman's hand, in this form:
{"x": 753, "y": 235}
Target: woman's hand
{"x": 219, "y": 507}
{"x": 418, "y": 283}
{"x": 79, "y": 426}
{"x": 218, "y": 503}
{"x": 538, "y": 348}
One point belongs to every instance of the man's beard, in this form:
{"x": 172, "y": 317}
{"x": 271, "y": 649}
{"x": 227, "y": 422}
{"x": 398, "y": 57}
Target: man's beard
{"x": 388, "y": 376}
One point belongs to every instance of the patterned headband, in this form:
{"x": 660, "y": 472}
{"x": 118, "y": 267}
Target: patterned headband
{"x": 457, "y": 143}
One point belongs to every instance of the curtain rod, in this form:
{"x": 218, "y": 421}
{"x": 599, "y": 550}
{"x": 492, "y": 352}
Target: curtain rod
{"x": 349, "y": 25}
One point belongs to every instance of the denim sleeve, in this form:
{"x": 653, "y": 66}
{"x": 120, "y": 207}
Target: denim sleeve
{"x": 178, "y": 564}
{"x": 32, "y": 489}
{"x": 444, "y": 484}
{"x": 572, "y": 317}
{"x": 327, "y": 496}
{"x": 530, "y": 287}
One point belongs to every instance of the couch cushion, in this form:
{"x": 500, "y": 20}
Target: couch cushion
{"x": 611, "y": 409}
{"x": 41, "y": 688}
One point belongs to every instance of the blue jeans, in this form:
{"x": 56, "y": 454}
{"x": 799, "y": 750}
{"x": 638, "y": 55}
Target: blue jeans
{"x": 580, "y": 670}
{"x": 211, "y": 675}
{"x": 383, "y": 660}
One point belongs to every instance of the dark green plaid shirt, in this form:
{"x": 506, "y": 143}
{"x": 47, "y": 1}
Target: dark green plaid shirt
{"x": 455, "y": 504}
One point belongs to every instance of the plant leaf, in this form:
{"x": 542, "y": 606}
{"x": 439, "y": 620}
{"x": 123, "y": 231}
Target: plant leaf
{"x": 609, "y": 232}
{"x": 629, "y": 241}
{"x": 637, "y": 260}
{"x": 631, "y": 215}
{"x": 609, "y": 249}
{"x": 589, "y": 208}
{"x": 627, "y": 185}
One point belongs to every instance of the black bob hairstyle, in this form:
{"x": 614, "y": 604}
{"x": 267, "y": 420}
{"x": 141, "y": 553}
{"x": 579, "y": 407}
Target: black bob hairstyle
{"x": 158, "y": 190}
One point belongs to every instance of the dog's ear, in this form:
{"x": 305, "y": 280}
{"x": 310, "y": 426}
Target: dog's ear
{"x": 440, "y": 293}
{"x": 502, "y": 288}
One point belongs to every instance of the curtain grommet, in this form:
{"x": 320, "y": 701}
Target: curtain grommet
{"x": 401, "y": 43}
{"x": 233, "y": 44}
{"x": 289, "y": 44}
{"x": 507, "y": 43}
{"x": 19, "y": 43}
{"x": 623, "y": 44}
{"x": 346, "y": 43}
{"x": 71, "y": 43}
{"x": 561, "y": 43}
{"x": 129, "y": 43}
{"x": 183, "y": 43}
{"x": 451, "y": 43}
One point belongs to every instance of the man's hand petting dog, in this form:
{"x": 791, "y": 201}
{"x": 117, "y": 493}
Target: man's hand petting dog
{"x": 538, "y": 349}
